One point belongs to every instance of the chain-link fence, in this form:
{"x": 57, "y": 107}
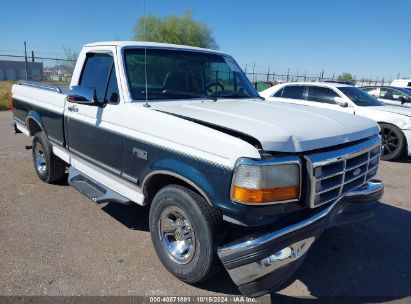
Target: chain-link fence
{"x": 42, "y": 68}
{"x": 38, "y": 68}
{"x": 275, "y": 77}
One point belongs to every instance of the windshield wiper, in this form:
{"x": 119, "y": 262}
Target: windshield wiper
{"x": 178, "y": 93}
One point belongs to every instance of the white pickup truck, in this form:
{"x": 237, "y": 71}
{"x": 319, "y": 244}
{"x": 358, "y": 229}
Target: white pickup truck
{"x": 229, "y": 177}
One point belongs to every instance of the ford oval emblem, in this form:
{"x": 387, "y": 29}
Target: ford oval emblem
{"x": 356, "y": 172}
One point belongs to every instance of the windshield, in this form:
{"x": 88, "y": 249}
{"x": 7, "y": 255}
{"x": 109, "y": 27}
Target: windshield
{"x": 405, "y": 91}
{"x": 360, "y": 98}
{"x": 181, "y": 74}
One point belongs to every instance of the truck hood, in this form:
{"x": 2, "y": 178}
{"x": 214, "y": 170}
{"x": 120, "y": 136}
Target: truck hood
{"x": 277, "y": 126}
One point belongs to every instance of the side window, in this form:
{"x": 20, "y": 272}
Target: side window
{"x": 279, "y": 93}
{"x": 397, "y": 95}
{"x": 96, "y": 72}
{"x": 387, "y": 94}
{"x": 372, "y": 91}
{"x": 112, "y": 94}
{"x": 320, "y": 94}
{"x": 294, "y": 92}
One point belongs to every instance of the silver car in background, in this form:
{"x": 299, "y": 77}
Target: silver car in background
{"x": 389, "y": 95}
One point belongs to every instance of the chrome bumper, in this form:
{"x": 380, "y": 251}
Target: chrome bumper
{"x": 260, "y": 264}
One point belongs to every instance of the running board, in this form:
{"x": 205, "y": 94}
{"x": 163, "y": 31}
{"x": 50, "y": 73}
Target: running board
{"x": 94, "y": 190}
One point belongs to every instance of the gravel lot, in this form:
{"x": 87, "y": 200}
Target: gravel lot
{"x": 54, "y": 241}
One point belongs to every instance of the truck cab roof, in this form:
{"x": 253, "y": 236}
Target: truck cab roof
{"x": 122, "y": 44}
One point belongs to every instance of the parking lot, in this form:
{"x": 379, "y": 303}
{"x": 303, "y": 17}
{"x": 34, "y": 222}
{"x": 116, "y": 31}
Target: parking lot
{"x": 54, "y": 241}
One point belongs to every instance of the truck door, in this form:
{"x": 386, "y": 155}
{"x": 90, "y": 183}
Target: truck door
{"x": 89, "y": 127}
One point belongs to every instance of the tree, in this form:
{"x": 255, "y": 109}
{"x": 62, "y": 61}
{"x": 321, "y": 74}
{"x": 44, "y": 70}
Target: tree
{"x": 345, "y": 77}
{"x": 70, "y": 58}
{"x": 175, "y": 29}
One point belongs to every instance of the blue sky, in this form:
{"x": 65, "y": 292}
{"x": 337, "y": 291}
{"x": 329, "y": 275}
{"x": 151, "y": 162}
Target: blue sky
{"x": 370, "y": 38}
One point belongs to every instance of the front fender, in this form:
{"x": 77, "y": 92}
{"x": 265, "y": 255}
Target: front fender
{"x": 186, "y": 172}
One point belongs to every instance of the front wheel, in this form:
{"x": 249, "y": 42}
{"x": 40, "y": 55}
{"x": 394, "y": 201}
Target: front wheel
{"x": 183, "y": 230}
{"x": 393, "y": 142}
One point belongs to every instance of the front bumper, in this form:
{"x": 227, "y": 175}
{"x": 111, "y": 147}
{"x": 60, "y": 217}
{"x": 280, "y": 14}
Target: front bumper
{"x": 260, "y": 264}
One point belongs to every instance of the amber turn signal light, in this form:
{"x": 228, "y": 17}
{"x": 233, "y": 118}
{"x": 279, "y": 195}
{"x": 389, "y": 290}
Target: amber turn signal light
{"x": 257, "y": 196}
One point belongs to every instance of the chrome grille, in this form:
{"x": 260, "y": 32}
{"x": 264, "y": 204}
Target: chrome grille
{"x": 335, "y": 173}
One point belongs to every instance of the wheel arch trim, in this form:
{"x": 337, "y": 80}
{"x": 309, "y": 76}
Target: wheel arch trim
{"x": 34, "y": 116}
{"x": 178, "y": 176}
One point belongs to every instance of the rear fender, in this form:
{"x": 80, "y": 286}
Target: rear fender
{"x": 34, "y": 123}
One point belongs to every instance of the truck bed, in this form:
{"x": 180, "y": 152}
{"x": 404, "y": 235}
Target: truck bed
{"x": 42, "y": 102}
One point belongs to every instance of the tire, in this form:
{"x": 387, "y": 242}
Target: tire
{"x": 393, "y": 142}
{"x": 199, "y": 261}
{"x": 49, "y": 167}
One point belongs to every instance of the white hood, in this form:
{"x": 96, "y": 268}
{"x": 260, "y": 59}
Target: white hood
{"x": 277, "y": 126}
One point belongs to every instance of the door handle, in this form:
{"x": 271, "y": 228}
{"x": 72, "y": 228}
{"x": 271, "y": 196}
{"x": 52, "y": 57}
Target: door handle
{"x": 72, "y": 108}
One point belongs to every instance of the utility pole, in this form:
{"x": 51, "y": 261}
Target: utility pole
{"x": 25, "y": 61}
{"x": 254, "y": 72}
{"x": 32, "y": 56}
{"x": 57, "y": 68}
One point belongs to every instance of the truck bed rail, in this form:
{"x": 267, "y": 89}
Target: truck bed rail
{"x": 41, "y": 85}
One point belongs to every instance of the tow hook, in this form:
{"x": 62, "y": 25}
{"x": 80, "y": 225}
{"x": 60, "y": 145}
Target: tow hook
{"x": 29, "y": 147}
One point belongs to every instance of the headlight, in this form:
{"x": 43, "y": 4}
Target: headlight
{"x": 262, "y": 182}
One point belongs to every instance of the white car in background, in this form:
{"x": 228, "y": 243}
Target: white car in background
{"x": 403, "y": 83}
{"x": 395, "y": 122}
{"x": 395, "y": 96}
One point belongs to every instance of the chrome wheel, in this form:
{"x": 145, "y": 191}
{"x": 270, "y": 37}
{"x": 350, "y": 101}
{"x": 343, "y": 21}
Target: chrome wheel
{"x": 177, "y": 235}
{"x": 39, "y": 158}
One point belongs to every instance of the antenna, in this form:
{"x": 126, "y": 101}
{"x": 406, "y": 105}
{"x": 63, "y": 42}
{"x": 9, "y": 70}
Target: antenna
{"x": 147, "y": 105}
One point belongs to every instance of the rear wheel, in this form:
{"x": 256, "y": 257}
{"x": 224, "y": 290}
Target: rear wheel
{"x": 183, "y": 230}
{"x": 49, "y": 167}
{"x": 393, "y": 142}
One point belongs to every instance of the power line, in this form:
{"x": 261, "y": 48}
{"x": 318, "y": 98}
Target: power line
{"x": 36, "y": 57}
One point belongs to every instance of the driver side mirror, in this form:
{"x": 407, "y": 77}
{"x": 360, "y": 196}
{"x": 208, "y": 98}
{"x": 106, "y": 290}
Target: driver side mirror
{"x": 82, "y": 95}
{"x": 341, "y": 102}
{"x": 405, "y": 99}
